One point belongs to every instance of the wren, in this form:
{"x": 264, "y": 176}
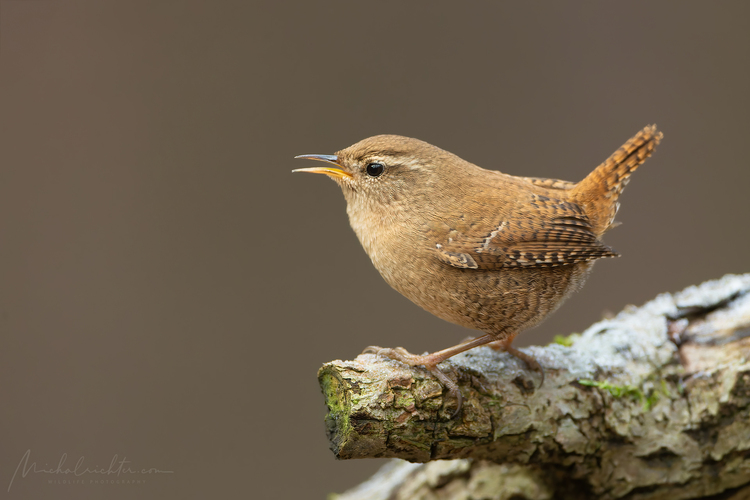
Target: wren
{"x": 479, "y": 248}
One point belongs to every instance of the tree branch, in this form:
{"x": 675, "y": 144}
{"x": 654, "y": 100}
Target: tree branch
{"x": 654, "y": 400}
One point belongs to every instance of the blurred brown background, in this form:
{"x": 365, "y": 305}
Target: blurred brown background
{"x": 169, "y": 288}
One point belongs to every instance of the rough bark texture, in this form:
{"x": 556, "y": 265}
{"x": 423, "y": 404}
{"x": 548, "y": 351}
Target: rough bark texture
{"x": 654, "y": 403}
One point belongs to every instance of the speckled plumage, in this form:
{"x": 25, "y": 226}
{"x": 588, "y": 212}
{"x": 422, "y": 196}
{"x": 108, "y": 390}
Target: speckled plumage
{"x": 477, "y": 247}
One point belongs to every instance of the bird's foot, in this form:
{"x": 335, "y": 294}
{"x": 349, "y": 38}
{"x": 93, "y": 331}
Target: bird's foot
{"x": 429, "y": 362}
{"x": 504, "y": 345}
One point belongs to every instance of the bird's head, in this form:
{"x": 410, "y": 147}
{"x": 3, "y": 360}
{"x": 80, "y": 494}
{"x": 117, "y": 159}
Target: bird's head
{"x": 386, "y": 169}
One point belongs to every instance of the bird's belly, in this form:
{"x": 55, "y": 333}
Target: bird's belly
{"x": 500, "y": 302}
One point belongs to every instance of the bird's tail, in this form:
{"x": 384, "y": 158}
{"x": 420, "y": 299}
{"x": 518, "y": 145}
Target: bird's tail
{"x": 599, "y": 191}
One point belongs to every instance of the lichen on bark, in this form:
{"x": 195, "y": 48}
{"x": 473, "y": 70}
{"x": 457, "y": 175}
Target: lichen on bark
{"x": 653, "y": 403}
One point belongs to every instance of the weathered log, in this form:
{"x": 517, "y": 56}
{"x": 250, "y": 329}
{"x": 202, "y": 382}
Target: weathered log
{"x": 653, "y": 403}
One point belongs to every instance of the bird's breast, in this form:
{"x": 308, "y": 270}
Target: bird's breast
{"x": 395, "y": 242}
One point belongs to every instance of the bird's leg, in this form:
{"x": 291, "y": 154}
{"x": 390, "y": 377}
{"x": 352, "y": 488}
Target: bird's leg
{"x": 430, "y": 361}
{"x": 504, "y": 345}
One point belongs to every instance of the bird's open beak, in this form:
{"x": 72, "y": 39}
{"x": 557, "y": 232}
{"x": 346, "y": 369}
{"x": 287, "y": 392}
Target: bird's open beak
{"x": 329, "y": 171}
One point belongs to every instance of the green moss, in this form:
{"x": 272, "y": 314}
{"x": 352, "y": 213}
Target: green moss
{"x": 647, "y": 399}
{"x": 403, "y": 399}
{"x": 655, "y": 395}
{"x": 566, "y": 341}
{"x": 617, "y": 391}
{"x": 651, "y": 400}
{"x": 338, "y": 424}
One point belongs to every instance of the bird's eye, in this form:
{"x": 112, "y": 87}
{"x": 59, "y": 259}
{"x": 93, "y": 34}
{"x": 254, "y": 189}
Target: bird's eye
{"x": 374, "y": 169}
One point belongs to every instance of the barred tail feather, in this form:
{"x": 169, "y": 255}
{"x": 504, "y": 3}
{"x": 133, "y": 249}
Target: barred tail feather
{"x": 600, "y": 190}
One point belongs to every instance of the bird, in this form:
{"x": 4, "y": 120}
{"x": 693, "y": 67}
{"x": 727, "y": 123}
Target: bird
{"x": 479, "y": 248}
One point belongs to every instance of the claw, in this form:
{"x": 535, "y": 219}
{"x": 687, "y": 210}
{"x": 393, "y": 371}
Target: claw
{"x": 533, "y": 364}
{"x": 429, "y": 363}
{"x": 452, "y": 387}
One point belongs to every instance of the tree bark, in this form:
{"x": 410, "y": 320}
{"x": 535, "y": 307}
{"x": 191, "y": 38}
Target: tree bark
{"x": 653, "y": 403}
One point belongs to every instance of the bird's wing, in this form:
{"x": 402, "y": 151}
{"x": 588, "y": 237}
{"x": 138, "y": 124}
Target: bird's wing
{"x": 540, "y": 232}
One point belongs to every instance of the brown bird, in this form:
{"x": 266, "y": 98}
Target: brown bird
{"x": 479, "y": 248}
